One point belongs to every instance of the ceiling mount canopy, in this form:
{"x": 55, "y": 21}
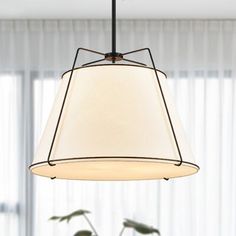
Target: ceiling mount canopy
{"x": 113, "y": 122}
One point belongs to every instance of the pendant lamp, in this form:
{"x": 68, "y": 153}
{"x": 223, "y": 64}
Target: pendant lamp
{"x": 113, "y": 121}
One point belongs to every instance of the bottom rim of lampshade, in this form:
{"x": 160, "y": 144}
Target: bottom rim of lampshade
{"x": 110, "y": 168}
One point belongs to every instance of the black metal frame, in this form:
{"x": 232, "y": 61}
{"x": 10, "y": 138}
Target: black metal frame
{"x": 100, "y": 60}
{"x": 115, "y": 57}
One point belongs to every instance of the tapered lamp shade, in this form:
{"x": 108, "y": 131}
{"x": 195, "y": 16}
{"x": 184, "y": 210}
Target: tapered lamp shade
{"x": 114, "y": 126}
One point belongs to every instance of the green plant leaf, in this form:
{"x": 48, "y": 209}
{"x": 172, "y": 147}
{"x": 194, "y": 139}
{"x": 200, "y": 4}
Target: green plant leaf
{"x": 140, "y": 227}
{"x": 55, "y": 218}
{"x": 79, "y": 213}
{"x": 83, "y": 233}
{"x": 70, "y": 216}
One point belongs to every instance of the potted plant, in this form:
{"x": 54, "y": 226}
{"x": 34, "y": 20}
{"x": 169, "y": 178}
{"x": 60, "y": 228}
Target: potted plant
{"x": 138, "y": 227}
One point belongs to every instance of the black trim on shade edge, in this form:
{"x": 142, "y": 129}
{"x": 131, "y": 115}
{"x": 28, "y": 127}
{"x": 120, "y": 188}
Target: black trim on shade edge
{"x": 116, "y": 157}
{"x": 84, "y": 67}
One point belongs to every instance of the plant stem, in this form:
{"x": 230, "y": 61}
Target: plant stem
{"x": 122, "y": 231}
{"x": 90, "y": 224}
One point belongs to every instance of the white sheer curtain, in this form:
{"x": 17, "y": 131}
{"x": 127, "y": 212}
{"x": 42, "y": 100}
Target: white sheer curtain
{"x": 198, "y": 56}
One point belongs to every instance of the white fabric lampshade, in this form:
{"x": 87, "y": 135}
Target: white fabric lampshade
{"x": 114, "y": 126}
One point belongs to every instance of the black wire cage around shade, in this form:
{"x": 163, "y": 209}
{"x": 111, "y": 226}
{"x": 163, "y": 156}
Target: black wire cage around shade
{"x": 114, "y": 126}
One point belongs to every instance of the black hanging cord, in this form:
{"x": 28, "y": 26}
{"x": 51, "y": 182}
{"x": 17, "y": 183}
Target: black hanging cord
{"x": 113, "y": 25}
{"x": 113, "y": 56}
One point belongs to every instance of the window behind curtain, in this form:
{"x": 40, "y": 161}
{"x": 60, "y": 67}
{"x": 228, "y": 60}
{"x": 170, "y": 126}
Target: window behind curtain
{"x": 10, "y": 142}
{"x": 205, "y": 102}
{"x": 201, "y": 205}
